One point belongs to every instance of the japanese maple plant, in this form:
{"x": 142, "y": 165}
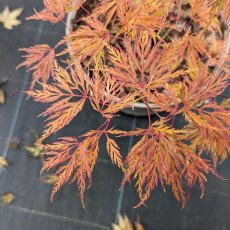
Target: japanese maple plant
{"x": 169, "y": 55}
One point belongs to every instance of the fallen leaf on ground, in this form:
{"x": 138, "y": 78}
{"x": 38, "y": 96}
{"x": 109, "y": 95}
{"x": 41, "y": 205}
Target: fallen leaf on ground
{"x": 49, "y": 179}
{"x": 2, "y": 96}
{"x": 125, "y": 224}
{"x": 34, "y": 151}
{"x": 139, "y": 226}
{"x": 35, "y": 134}
{"x": 9, "y": 18}
{"x": 14, "y": 144}
{"x": 8, "y": 198}
{"x": 3, "y": 162}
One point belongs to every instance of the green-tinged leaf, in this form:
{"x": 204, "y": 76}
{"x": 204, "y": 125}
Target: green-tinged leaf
{"x": 49, "y": 179}
{"x": 34, "y": 151}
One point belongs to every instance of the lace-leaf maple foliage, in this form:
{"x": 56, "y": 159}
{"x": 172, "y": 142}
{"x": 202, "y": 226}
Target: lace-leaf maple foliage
{"x": 170, "y": 54}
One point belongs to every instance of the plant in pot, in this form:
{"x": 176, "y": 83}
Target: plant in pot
{"x": 143, "y": 57}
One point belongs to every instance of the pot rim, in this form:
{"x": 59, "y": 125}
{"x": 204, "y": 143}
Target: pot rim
{"x": 69, "y": 27}
{"x": 70, "y": 17}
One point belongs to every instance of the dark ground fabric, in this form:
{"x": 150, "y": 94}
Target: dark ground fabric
{"x": 32, "y": 209}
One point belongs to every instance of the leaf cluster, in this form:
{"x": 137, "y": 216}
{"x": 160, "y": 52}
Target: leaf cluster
{"x": 169, "y": 55}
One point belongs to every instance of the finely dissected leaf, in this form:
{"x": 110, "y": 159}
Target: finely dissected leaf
{"x": 107, "y": 99}
{"x": 114, "y": 153}
{"x": 8, "y": 198}
{"x": 89, "y": 40}
{"x": 209, "y": 131}
{"x": 54, "y": 11}
{"x": 198, "y": 89}
{"x": 49, "y": 179}
{"x": 201, "y": 11}
{"x": 115, "y": 132}
{"x": 226, "y": 9}
{"x": 71, "y": 5}
{"x": 106, "y": 8}
{"x": 9, "y": 18}
{"x": 3, "y": 162}
{"x": 166, "y": 56}
{"x": 150, "y": 15}
{"x": 161, "y": 157}
{"x": 74, "y": 159}
{"x": 39, "y": 59}
{"x": 61, "y": 95}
